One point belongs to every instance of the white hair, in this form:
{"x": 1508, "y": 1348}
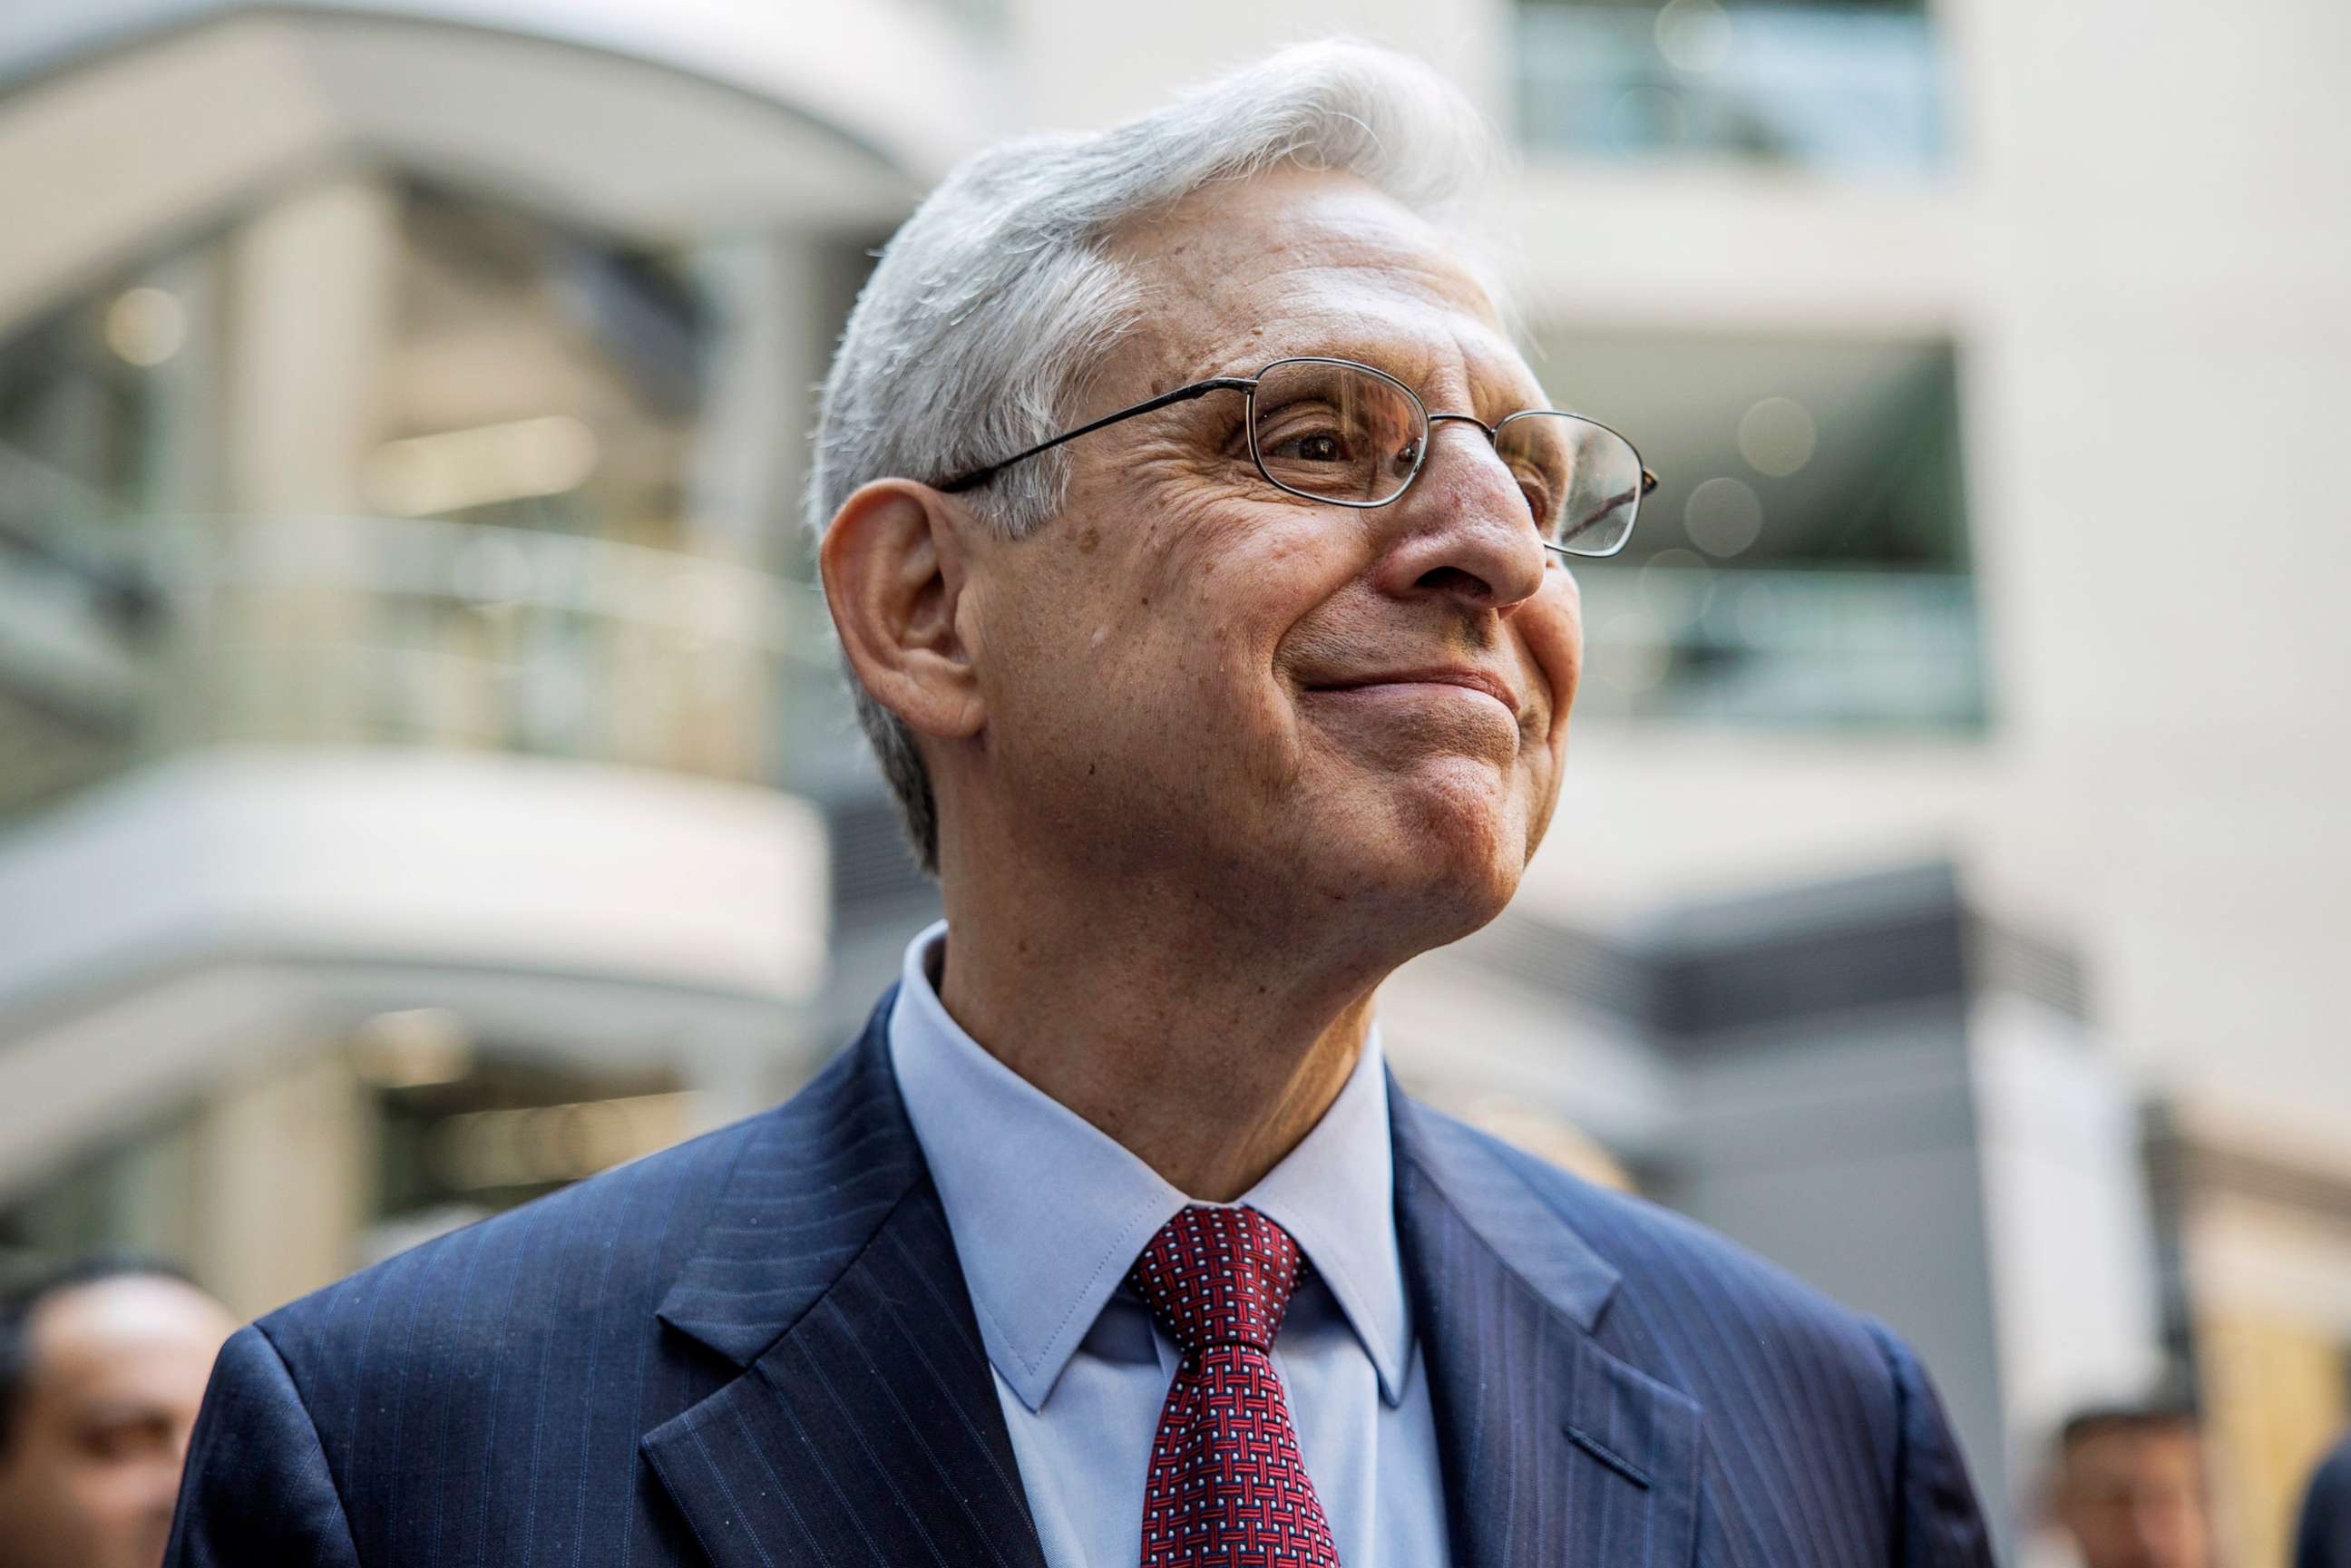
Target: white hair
{"x": 993, "y": 301}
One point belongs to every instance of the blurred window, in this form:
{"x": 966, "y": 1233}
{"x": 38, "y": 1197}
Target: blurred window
{"x": 88, "y": 435}
{"x": 1848, "y": 86}
{"x": 509, "y": 1129}
{"x": 446, "y": 1129}
{"x": 81, "y": 414}
{"x": 1805, "y": 562}
{"x": 135, "y": 1191}
{"x": 512, "y": 560}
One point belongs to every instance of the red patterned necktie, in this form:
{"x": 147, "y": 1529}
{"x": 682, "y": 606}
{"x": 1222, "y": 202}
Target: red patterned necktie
{"x": 1227, "y": 1486}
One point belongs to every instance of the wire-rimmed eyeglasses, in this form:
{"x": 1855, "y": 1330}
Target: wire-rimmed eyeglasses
{"x": 1352, "y": 434}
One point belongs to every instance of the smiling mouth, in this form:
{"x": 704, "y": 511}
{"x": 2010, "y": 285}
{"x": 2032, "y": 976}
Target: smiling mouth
{"x": 1480, "y": 681}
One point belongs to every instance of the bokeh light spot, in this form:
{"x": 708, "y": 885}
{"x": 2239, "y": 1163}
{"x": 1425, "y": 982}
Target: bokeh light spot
{"x": 1694, "y": 36}
{"x": 1777, "y": 435}
{"x": 1724, "y": 517}
{"x": 1647, "y": 117}
{"x": 145, "y": 326}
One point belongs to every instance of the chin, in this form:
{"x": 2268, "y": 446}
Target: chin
{"x": 1446, "y": 854}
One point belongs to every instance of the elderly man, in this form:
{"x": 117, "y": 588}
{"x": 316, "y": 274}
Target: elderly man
{"x": 103, "y": 1365}
{"x": 1196, "y": 540}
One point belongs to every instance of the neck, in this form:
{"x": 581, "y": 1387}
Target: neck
{"x": 1207, "y": 1052}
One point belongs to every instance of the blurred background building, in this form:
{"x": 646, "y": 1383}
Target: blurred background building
{"x": 426, "y": 780}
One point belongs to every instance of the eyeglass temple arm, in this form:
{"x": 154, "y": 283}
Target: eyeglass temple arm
{"x": 1648, "y": 483}
{"x": 978, "y": 476}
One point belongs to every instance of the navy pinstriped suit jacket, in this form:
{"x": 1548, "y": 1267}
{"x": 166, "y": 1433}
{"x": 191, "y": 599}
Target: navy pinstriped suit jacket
{"x": 756, "y": 1350}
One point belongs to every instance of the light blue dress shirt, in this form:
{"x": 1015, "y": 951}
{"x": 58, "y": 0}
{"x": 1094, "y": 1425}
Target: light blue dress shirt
{"x": 1049, "y": 1213}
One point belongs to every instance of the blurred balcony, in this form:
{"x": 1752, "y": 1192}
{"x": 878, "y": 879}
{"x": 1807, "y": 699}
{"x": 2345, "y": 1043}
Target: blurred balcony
{"x": 1849, "y": 88}
{"x": 126, "y": 642}
{"x": 298, "y": 771}
{"x": 426, "y": 632}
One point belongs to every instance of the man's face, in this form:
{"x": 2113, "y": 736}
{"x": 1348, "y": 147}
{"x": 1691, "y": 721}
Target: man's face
{"x": 1188, "y": 667}
{"x": 2134, "y": 1497}
{"x": 91, "y": 1468}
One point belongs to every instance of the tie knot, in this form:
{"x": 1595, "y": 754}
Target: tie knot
{"x": 1219, "y": 1276}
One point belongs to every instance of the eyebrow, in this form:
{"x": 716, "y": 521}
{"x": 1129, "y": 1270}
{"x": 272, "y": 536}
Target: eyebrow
{"x": 109, "y": 1415}
{"x": 1493, "y": 389}
{"x": 1409, "y": 364}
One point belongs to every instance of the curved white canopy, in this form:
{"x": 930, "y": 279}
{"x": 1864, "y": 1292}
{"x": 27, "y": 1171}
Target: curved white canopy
{"x": 123, "y": 121}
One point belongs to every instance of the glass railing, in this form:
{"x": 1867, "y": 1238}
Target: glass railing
{"x": 1843, "y": 649}
{"x": 421, "y": 631}
{"x": 1837, "y": 87}
{"x": 72, "y": 590}
{"x": 76, "y": 607}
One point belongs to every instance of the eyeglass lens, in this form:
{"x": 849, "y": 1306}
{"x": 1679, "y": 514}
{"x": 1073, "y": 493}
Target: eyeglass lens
{"x": 1582, "y": 480}
{"x": 1337, "y": 432}
{"x": 1347, "y": 434}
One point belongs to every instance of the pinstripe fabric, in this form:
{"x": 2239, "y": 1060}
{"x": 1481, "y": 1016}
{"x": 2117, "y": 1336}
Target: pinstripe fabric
{"x": 870, "y": 1433}
{"x": 1747, "y": 1422}
{"x": 758, "y": 1348}
{"x": 1556, "y": 1452}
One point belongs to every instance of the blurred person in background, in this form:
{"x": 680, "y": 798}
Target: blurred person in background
{"x": 103, "y": 1367}
{"x": 1197, "y": 540}
{"x": 2128, "y": 1489}
{"x": 2324, "y": 1539}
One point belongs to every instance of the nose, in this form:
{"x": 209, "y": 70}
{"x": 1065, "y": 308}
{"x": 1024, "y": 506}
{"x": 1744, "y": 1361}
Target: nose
{"x": 1463, "y": 532}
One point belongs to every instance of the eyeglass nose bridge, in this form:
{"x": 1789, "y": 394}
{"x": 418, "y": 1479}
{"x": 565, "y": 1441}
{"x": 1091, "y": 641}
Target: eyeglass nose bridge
{"x": 1494, "y": 440}
{"x": 1493, "y": 433}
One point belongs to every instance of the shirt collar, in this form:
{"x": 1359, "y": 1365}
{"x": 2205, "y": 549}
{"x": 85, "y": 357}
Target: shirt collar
{"x": 1006, "y": 1157}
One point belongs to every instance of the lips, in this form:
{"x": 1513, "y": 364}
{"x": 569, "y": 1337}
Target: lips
{"x": 1475, "y": 680}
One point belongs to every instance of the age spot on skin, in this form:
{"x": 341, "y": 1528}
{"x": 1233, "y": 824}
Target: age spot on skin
{"x": 1088, "y": 541}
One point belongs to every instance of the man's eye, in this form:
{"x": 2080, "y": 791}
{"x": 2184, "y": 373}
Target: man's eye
{"x": 1325, "y": 445}
{"x": 116, "y": 1442}
{"x": 1538, "y": 495}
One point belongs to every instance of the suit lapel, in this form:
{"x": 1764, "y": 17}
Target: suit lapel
{"x": 1554, "y": 1452}
{"x": 865, "y": 1424}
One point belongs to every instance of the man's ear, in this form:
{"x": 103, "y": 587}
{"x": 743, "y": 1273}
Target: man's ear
{"x": 894, "y": 566}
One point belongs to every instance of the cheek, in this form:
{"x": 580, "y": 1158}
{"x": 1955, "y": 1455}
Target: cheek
{"x": 1160, "y": 642}
{"x": 1551, "y": 625}
{"x": 1231, "y": 597}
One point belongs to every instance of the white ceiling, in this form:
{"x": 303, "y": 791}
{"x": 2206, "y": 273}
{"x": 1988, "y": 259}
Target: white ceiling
{"x": 124, "y": 123}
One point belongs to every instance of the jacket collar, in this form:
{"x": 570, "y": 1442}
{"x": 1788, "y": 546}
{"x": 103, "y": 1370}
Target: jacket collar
{"x": 866, "y": 1414}
{"x": 864, "y": 1421}
{"x": 1555, "y": 1451}
{"x": 813, "y": 1185}
{"x": 1501, "y": 1211}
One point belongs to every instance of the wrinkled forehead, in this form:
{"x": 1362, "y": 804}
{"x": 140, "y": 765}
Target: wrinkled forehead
{"x": 1246, "y": 271}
